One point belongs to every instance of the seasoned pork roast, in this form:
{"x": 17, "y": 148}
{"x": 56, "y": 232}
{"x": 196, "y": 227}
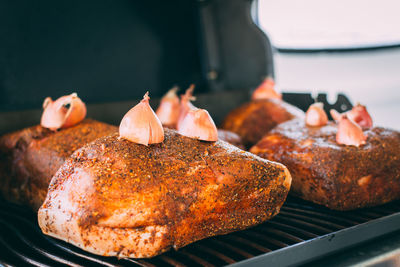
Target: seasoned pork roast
{"x": 231, "y": 138}
{"x": 30, "y": 157}
{"x": 338, "y": 176}
{"x": 117, "y": 198}
{"x": 254, "y": 119}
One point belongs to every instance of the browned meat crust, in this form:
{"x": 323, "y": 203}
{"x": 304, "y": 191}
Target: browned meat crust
{"x": 30, "y": 157}
{"x": 231, "y": 138}
{"x": 337, "y": 176}
{"x": 254, "y": 119}
{"x": 114, "y": 197}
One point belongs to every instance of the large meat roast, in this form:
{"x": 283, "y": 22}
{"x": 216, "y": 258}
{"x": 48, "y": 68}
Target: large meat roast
{"x": 116, "y": 197}
{"x": 30, "y": 157}
{"x": 342, "y": 166}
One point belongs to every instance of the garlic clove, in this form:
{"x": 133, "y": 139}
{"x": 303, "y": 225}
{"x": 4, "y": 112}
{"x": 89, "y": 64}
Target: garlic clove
{"x": 266, "y": 90}
{"x": 65, "y": 112}
{"x": 316, "y": 116}
{"x": 335, "y": 115}
{"x": 141, "y": 125}
{"x": 169, "y": 109}
{"x": 358, "y": 114}
{"x": 51, "y": 119}
{"x": 186, "y": 104}
{"x": 349, "y": 133}
{"x": 76, "y": 113}
{"x": 198, "y": 124}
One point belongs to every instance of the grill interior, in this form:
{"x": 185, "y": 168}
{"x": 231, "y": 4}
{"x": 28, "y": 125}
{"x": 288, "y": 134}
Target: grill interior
{"x": 299, "y": 222}
{"x": 301, "y": 232}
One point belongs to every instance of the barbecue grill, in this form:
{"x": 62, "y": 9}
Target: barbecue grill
{"x": 301, "y": 232}
{"x": 226, "y": 51}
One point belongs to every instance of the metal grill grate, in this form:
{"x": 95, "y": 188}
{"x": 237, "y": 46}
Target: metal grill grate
{"x": 300, "y": 222}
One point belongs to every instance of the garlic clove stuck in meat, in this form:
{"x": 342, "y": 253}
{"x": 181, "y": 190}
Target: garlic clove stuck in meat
{"x": 198, "y": 124}
{"x": 266, "y": 90}
{"x": 349, "y": 133}
{"x": 336, "y": 115}
{"x": 316, "y": 116}
{"x": 186, "y": 104}
{"x": 358, "y": 114}
{"x": 193, "y": 122}
{"x": 169, "y": 110}
{"x": 65, "y": 112}
{"x": 141, "y": 125}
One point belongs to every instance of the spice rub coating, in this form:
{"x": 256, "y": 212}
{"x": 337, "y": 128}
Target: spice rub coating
{"x": 231, "y": 138}
{"x": 30, "y": 157}
{"x": 254, "y": 119}
{"x": 337, "y": 176}
{"x": 117, "y": 198}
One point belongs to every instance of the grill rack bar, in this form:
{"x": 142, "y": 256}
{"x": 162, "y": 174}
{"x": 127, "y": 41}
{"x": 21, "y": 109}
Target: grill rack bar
{"x": 300, "y": 226}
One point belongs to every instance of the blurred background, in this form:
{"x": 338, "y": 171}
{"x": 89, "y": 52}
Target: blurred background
{"x": 349, "y": 46}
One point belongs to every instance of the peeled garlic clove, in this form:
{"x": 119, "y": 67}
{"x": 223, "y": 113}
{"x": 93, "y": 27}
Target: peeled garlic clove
{"x": 50, "y": 117}
{"x": 266, "y": 90}
{"x": 169, "y": 109}
{"x": 198, "y": 124}
{"x": 336, "y": 115}
{"x": 47, "y": 101}
{"x": 76, "y": 113}
{"x": 316, "y": 116}
{"x": 65, "y": 112}
{"x": 360, "y": 115}
{"x": 186, "y": 104}
{"x": 141, "y": 125}
{"x": 350, "y": 133}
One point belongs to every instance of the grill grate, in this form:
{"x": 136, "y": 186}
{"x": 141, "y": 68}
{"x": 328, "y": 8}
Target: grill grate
{"x": 21, "y": 241}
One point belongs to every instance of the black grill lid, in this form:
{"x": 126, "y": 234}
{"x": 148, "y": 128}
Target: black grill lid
{"x": 116, "y": 50}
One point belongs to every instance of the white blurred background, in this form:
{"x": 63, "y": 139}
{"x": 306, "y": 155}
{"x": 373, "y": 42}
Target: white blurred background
{"x": 371, "y": 77}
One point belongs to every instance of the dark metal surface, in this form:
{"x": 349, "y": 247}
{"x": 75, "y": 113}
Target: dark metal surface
{"x": 301, "y": 232}
{"x": 350, "y": 49}
{"x": 104, "y": 50}
{"x": 115, "y": 50}
{"x": 236, "y": 53}
{"x": 383, "y": 252}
